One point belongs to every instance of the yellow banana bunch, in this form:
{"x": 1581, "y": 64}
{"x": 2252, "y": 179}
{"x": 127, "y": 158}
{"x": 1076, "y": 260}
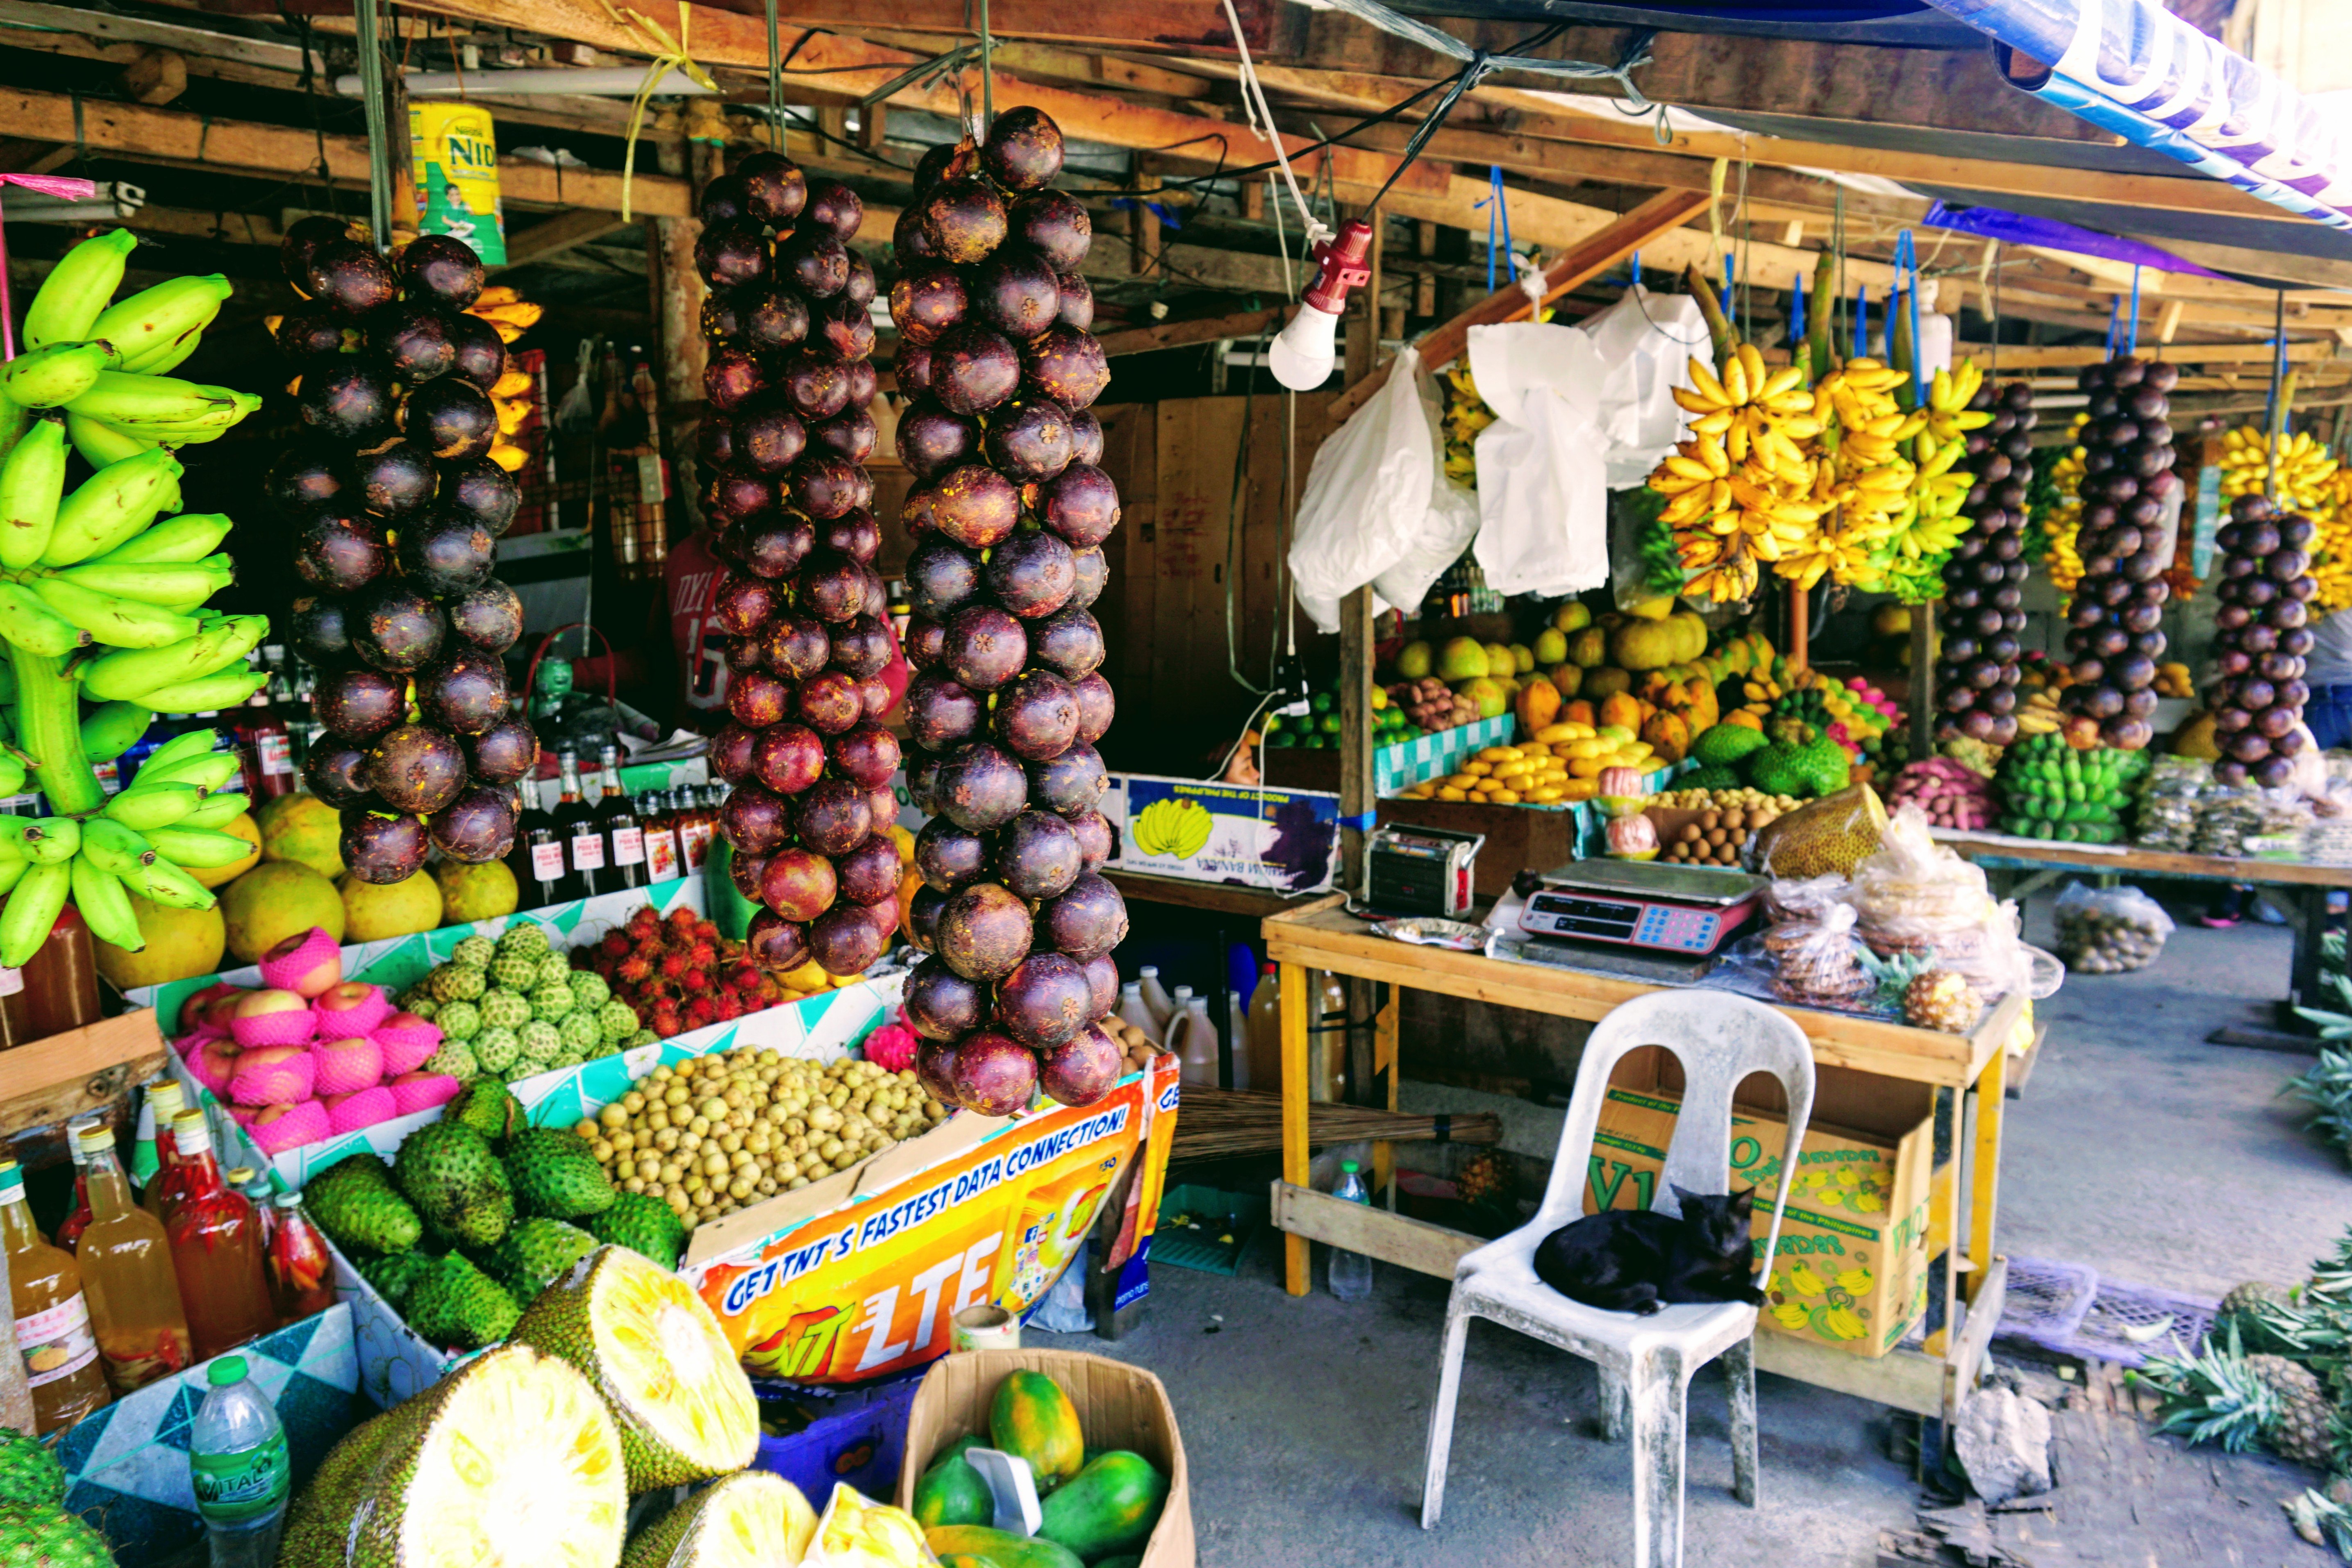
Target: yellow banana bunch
{"x": 2038, "y": 714}
{"x": 1948, "y": 396}
{"x": 2331, "y": 549}
{"x": 2064, "y": 563}
{"x": 1867, "y": 471}
{"x": 1178, "y": 828}
{"x": 514, "y": 392}
{"x": 1741, "y": 490}
{"x": 2305, "y": 467}
{"x": 1465, "y": 415}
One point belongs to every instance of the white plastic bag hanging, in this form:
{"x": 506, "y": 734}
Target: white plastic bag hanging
{"x": 1366, "y": 507}
{"x": 1542, "y": 503}
{"x": 1645, "y": 341}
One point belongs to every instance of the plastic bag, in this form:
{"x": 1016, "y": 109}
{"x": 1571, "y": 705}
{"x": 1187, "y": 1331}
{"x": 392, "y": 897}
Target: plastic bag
{"x": 1366, "y": 508}
{"x": 1645, "y": 342}
{"x": 1543, "y": 507}
{"x": 2109, "y": 931}
{"x": 1829, "y": 836}
{"x": 1063, "y": 1308}
{"x": 2166, "y": 817}
{"x": 1914, "y": 888}
{"x": 1813, "y": 961}
{"x": 858, "y": 1532}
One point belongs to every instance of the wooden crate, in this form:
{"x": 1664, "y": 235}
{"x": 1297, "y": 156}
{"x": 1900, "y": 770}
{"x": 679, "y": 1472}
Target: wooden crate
{"x": 1517, "y": 839}
{"x": 68, "y": 1074}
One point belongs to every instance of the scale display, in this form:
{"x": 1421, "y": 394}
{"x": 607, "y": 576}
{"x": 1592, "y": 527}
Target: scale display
{"x": 1622, "y": 902}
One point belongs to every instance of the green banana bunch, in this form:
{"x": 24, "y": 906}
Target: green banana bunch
{"x": 74, "y": 295}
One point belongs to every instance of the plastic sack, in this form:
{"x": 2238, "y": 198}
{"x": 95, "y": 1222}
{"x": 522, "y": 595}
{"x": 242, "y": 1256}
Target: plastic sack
{"x": 858, "y": 1532}
{"x": 1813, "y": 961}
{"x": 1543, "y": 507}
{"x": 1063, "y": 1308}
{"x": 1366, "y": 508}
{"x": 1645, "y": 342}
{"x": 2109, "y": 931}
{"x": 1829, "y": 836}
{"x": 1914, "y": 888}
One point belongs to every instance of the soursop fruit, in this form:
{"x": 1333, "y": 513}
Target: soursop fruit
{"x": 515, "y": 970}
{"x": 616, "y": 1021}
{"x": 557, "y": 1177}
{"x": 504, "y": 1008}
{"x": 474, "y": 952}
{"x": 540, "y": 1041}
{"x": 441, "y": 1168}
{"x": 555, "y": 970}
{"x": 459, "y": 1020}
{"x": 537, "y": 1252}
{"x": 497, "y": 1048}
{"x": 527, "y": 938}
{"x": 456, "y": 1059}
{"x": 51, "y": 1537}
{"x": 581, "y": 1032}
{"x": 589, "y": 989}
{"x": 30, "y": 1475}
{"x": 354, "y": 1199}
{"x": 459, "y": 1307}
{"x": 552, "y": 1001}
{"x": 488, "y": 1108}
{"x": 643, "y": 1224}
{"x": 395, "y": 1275}
{"x": 453, "y": 983}
{"x": 485, "y": 1216}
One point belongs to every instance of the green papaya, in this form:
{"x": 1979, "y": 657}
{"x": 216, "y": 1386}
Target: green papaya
{"x": 998, "y": 1548}
{"x": 1108, "y": 1507}
{"x": 1030, "y": 1415}
{"x": 951, "y": 1491}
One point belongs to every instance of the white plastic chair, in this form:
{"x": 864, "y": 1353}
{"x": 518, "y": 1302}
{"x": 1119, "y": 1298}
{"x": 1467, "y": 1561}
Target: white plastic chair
{"x": 1720, "y": 1038}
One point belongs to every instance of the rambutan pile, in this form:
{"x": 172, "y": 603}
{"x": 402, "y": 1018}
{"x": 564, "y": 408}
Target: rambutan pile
{"x": 678, "y": 971}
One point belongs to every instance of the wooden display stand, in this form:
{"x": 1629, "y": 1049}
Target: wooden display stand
{"x": 1968, "y": 1074}
{"x": 81, "y": 1070}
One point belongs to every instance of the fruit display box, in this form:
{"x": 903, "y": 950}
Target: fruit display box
{"x": 1252, "y": 836}
{"x": 1118, "y": 1406}
{"x": 126, "y": 1463}
{"x": 1852, "y": 1271}
{"x": 1435, "y": 755}
{"x": 858, "y": 1438}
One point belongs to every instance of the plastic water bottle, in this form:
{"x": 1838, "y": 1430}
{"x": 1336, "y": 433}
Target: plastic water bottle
{"x": 1351, "y": 1272}
{"x": 237, "y": 1452}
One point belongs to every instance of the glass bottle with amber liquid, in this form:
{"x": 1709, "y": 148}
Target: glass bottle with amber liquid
{"x": 583, "y": 836}
{"x": 156, "y": 1158}
{"x": 69, "y": 1229}
{"x": 302, "y": 1269}
{"x": 654, "y": 812}
{"x": 53, "y": 1322}
{"x": 697, "y": 820}
{"x": 134, "y": 1294}
{"x": 624, "y": 838}
{"x": 216, "y": 1249}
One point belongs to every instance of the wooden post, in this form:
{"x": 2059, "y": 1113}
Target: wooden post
{"x": 1800, "y": 609}
{"x": 1355, "y": 733}
{"x": 1299, "y": 1269}
{"x": 1424, "y": 284}
{"x": 1922, "y": 706}
{"x": 870, "y": 122}
{"x": 1372, "y": 285}
{"x": 677, "y": 317}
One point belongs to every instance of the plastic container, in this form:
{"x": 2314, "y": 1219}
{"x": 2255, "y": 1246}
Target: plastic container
{"x": 1133, "y": 1010}
{"x": 1195, "y": 1041}
{"x": 1156, "y": 999}
{"x": 1351, "y": 1272}
{"x": 1266, "y": 1031}
{"x": 1180, "y": 1008}
{"x": 237, "y": 1455}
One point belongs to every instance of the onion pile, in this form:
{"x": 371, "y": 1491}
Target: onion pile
{"x": 2258, "y": 656}
{"x": 2115, "y": 640}
{"x": 785, "y": 440}
{"x": 1984, "y": 580}
{"x": 1010, "y": 516}
{"x": 394, "y": 506}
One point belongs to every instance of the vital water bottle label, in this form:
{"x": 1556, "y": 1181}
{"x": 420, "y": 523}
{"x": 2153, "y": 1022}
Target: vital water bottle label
{"x": 57, "y": 1343}
{"x": 244, "y": 1483}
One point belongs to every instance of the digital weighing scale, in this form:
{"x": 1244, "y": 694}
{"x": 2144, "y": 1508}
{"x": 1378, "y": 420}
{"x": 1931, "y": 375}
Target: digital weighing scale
{"x": 1641, "y": 904}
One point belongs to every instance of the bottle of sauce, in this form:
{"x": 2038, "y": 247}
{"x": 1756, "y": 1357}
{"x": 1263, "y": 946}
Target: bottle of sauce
{"x": 662, "y": 861}
{"x": 625, "y": 840}
{"x": 53, "y": 1326}
{"x": 697, "y": 821}
{"x": 69, "y": 1231}
{"x": 584, "y": 841}
{"x": 216, "y": 1250}
{"x": 156, "y": 1156}
{"x": 134, "y": 1294}
{"x": 266, "y": 746}
{"x": 15, "y": 1010}
{"x": 62, "y": 980}
{"x": 301, "y": 1270}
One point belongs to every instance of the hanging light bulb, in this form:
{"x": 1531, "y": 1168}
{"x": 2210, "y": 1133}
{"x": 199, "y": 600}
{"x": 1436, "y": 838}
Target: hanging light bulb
{"x": 1302, "y": 355}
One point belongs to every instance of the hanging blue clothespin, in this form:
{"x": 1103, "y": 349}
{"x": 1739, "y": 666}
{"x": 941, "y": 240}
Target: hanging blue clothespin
{"x": 2131, "y": 332}
{"x": 1637, "y": 269}
{"x": 1797, "y": 310}
{"x": 1861, "y": 320}
{"x": 1906, "y": 259}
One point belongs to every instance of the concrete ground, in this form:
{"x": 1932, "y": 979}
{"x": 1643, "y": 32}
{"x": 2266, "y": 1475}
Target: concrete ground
{"x": 2138, "y": 1149}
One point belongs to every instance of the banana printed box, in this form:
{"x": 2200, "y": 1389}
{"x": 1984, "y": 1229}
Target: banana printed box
{"x": 1852, "y": 1271}
{"x": 1285, "y": 840}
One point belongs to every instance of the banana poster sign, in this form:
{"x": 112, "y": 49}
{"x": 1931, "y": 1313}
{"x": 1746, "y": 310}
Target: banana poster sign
{"x": 1287, "y": 840}
{"x": 872, "y": 1286}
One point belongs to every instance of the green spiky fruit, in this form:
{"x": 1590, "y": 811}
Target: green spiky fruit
{"x": 505, "y": 1009}
{"x": 314, "y": 1525}
{"x": 580, "y": 1031}
{"x": 616, "y": 1021}
{"x": 558, "y": 1182}
{"x": 442, "y": 1166}
{"x": 474, "y": 952}
{"x": 355, "y": 1202}
{"x": 589, "y": 989}
{"x": 496, "y": 1049}
{"x": 485, "y": 1216}
{"x": 30, "y": 1475}
{"x": 459, "y": 1020}
{"x": 486, "y": 1108}
{"x": 552, "y": 1001}
{"x": 459, "y": 1306}
{"x": 743, "y": 1521}
{"x": 515, "y": 970}
{"x": 453, "y": 983}
{"x": 541, "y": 1040}
{"x": 649, "y": 1344}
{"x": 50, "y": 1538}
{"x": 454, "y": 1059}
{"x": 535, "y": 1252}
{"x": 644, "y": 1223}
{"x": 394, "y": 1277}
{"x": 555, "y": 970}
{"x": 2298, "y": 1428}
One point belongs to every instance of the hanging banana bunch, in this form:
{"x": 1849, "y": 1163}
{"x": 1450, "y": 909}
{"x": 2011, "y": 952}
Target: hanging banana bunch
{"x": 1866, "y": 470}
{"x": 2066, "y": 516}
{"x": 2331, "y": 548}
{"x": 2305, "y": 468}
{"x": 102, "y": 590}
{"x": 1741, "y": 490}
{"x": 1930, "y": 523}
{"x": 514, "y": 395}
{"x": 1467, "y": 413}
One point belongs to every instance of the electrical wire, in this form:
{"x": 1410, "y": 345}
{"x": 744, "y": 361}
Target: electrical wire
{"x": 1261, "y": 122}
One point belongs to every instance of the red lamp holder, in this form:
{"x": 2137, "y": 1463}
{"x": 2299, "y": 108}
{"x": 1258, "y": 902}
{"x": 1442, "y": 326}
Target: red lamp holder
{"x": 1341, "y": 258}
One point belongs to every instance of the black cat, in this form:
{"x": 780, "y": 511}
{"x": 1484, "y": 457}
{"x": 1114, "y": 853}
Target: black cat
{"x": 1636, "y": 1261}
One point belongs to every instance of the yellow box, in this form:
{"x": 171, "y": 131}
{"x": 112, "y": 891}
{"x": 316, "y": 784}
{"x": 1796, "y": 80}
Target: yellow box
{"x": 1852, "y": 1270}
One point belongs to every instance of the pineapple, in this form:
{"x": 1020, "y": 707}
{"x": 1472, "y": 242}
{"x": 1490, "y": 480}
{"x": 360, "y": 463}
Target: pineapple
{"x": 1485, "y": 1177}
{"x": 2229, "y": 1397}
{"x": 2299, "y": 1429}
{"x": 1941, "y": 999}
{"x": 2265, "y": 1315}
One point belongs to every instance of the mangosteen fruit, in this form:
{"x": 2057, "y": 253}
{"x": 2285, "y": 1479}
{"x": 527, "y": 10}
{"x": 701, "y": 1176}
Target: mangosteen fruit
{"x": 464, "y": 694}
{"x": 451, "y": 417}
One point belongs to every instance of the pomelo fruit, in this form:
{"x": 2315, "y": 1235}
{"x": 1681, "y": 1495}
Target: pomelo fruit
{"x": 471, "y": 893}
{"x": 275, "y": 900}
{"x": 374, "y": 910}
{"x": 181, "y": 945}
{"x": 304, "y": 829}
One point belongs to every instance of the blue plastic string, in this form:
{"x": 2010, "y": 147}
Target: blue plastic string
{"x": 1637, "y": 269}
{"x": 2131, "y": 328}
{"x": 1906, "y": 260}
{"x": 1727, "y": 281}
{"x": 1797, "y": 310}
{"x": 1861, "y": 320}
{"x": 2115, "y": 322}
{"x": 1498, "y": 211}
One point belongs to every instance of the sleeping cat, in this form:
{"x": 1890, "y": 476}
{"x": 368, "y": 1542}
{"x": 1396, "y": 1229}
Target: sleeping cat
{"x": 1635, "y": 1261}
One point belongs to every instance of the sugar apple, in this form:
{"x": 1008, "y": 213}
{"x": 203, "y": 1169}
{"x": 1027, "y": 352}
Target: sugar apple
{"x": 515, "y": 970}
{"x": 641, "y": 1037}
{"x": 452, "y": 983}
{"x": 422, "y": 1006}
{"x": 456, "y": 1060}
{"x": 474, "y": 953}
{"x": 459, "y": 1020}
{"x": 618, "y": 1020}
{"x": 523, "y": 1069}
{"x": 563, "y": 1060}
{"x": 580, "y": 1031}
{"x": 526, "y": 937}
{"x": 540, "y": 1040}
{"x": 589, "y": 990}
{"x": 550, "y": 1001}
{"x": 420, "y": 992}
{"x": 505, "y": 1009}
{"x": 555, "y": 969}
{"x": 496, "y": 1048}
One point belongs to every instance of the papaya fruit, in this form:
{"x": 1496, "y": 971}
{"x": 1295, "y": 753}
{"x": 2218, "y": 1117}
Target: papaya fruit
{"x": 1579, "y": 711}
{"x": 1108, "y": 1507}
{"x": 1623, "y": 709}
{"x": 998, "y": 1548}
{"x": 1030, "y": 1415}
{"x": 951, "y": 1491}
{"x": 1538, "y": 705}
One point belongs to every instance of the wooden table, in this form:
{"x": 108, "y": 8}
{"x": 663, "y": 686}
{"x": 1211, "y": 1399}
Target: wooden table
{"x": 2299, "y": 889}
{"x": 1967, "y": 1073}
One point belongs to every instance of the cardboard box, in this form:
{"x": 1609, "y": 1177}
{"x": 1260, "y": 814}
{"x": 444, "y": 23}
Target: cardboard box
{"x": 1852, "y": 1270}
{"x": 1254, "y": 836}
{"x": 1119, "y": 1406}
